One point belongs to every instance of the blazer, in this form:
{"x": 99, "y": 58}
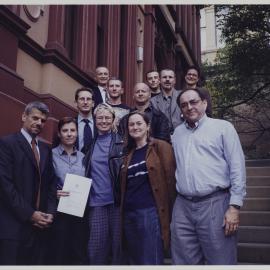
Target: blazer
{"x": 174, "y": 118}
{"x": 97, "y": 96}
{"x": 19, "y": 183}
{"x": 161, "y": 166}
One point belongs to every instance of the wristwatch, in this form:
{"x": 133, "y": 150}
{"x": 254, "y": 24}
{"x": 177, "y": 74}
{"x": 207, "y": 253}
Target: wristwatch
{"x": 235, "y": 206}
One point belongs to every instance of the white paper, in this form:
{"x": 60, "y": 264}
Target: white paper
{"x": 78, "y": 187}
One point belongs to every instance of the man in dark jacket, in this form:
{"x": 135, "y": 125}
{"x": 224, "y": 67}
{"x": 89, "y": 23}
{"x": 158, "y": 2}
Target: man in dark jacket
{"x": 27, "y": 190}
{"x": 159, "y": 122}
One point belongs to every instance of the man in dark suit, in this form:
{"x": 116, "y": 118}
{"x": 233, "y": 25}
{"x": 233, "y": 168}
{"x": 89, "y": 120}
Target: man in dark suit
{"x": 100, "y": 91}
{"x": 27, "y": 190}
{"x": 84, "y": 99}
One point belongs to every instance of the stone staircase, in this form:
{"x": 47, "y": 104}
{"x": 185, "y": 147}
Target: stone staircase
{"x": 254, "y": 230}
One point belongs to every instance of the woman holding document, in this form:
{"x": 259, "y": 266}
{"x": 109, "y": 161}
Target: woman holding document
{"x": 69, "y": 233}
{"x": 103, "y": 163}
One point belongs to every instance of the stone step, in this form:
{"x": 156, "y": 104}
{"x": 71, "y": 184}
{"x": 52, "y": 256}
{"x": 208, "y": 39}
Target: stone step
{"x": 254, "y": 234}
{"x": 258, "y": 181}
{"x": 254, "y": 253}
{"x": 258, "y": 163}
{"x": 255, "y": 218}
{"x": 258, "y": 171}
{"x": 253, "y": 204}
{"x": 258, "y": 191}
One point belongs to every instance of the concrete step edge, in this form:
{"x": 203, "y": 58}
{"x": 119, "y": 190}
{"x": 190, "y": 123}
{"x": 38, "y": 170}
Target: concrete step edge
{"x": 254, "y": 245}
{"x": 256, "y": 198}
{"x": 254, "y": 212}
{"x": 254, "y": 227}
{"x": 258, "y": 176}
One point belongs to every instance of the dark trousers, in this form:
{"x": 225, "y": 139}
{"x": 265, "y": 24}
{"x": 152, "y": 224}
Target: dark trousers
{"x": 31, "y": 250}
{"x": 68, "y": 240}
{"x": 104, "y": 238}
{"x": 142, "y": 237}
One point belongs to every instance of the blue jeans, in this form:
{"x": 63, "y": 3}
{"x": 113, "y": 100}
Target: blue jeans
{"x": 143, "y": 237}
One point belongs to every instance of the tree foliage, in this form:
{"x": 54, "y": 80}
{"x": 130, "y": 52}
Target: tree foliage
{"x": 240, "y": 77}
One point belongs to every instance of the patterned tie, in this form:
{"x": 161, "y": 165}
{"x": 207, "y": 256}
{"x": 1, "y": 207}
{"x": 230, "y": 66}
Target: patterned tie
{"x": 87, "y": 133}
{"x": 35, "y": 152}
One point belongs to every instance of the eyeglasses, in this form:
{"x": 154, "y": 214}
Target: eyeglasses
{"x": 82, "y": 99}
{"x": 107, "y": 118}
{"x": 192, "y": 103}
{"x": 192, "y": 75}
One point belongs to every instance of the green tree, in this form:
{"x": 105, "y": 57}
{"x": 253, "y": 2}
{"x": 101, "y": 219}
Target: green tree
{"x": 239, "y": 81}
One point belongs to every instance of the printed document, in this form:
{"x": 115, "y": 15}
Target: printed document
{"x": 78, "y": 187}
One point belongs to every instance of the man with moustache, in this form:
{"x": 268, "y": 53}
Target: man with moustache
{"x": 27, "y": 191}
{"x": 165, "y": 102}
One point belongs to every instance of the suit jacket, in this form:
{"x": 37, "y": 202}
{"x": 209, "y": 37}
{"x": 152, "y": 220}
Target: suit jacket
{"x": 97, "y": 96}
{"x": 19, "y": 183}
{"x": 174, "y": 118}
{"x": 161, "y": 166}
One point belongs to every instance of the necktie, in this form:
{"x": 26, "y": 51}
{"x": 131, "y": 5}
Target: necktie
{"x": 35, "y": 152}
{"x": 87, "y": 133}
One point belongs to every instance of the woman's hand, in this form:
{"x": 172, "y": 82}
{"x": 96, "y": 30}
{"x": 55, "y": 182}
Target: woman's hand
{"x": 62, "y": 193}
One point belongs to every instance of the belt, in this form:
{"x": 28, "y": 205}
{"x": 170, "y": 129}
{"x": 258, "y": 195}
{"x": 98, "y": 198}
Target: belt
{"x": 202, "y": 198}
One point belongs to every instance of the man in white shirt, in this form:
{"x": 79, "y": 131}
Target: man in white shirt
{"x": 100, "y": 91}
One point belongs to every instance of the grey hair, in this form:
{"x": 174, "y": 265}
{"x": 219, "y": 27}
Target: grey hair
{"x": 37, "y": 105}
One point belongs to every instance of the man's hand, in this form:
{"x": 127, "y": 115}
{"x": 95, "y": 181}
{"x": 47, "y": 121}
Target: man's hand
{"x": 231, "y": 220}
{"x": 41, "y": 220}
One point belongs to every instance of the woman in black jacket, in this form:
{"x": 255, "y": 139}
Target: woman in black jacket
{"x": 103, "y": 163}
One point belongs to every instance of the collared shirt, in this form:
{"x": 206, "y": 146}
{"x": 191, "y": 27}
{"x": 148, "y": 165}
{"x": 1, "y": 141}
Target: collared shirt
{"x": 167, "y": 105}
{"x": 103, "y": 93}
{"x": 29, "y": 138}
{"x": 81, "y": 125}
{"x": 209, "y": 157}
{"x": 64, "y": 163}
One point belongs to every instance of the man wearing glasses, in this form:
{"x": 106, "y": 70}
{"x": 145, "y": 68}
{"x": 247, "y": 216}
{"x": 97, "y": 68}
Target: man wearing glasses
{"x": 192, "y": 79}
{"x": 210, "y": 181}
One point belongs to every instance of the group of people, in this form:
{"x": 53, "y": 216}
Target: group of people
{"x": 166, "y": 176}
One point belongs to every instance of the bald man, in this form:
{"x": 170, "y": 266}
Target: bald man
{"x": 159, "y": 122}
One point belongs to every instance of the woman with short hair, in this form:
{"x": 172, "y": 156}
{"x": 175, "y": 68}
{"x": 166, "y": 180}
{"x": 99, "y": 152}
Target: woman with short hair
{"x": 103, "y": 162}
{"x": 68, "y": 232}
